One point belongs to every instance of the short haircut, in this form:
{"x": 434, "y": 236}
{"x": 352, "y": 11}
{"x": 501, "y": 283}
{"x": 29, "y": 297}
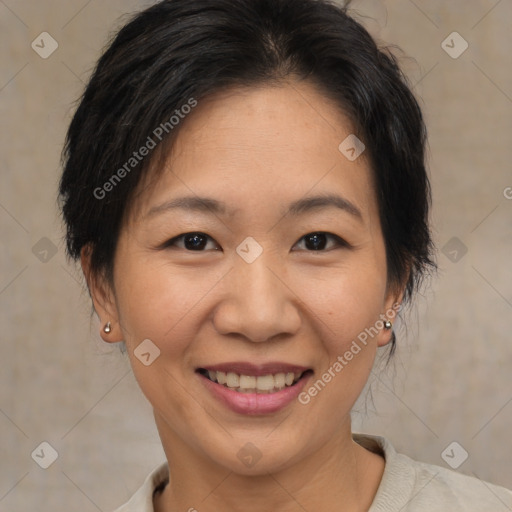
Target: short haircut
{"x": 180, "y": 51}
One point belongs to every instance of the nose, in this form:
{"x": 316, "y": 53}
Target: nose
{"x": 257, "y": 302}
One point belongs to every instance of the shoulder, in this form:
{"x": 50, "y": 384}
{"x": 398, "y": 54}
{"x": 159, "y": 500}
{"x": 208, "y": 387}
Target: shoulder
{"x": 442, "y": 487}
{"x": 411, "y": 486}
{"x": 142, "y": 500}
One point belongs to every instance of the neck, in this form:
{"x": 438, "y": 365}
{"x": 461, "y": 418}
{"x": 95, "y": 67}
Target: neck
{"x": 340, "y": 476}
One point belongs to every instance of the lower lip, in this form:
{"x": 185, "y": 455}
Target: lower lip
{"x": 255, "y": 403}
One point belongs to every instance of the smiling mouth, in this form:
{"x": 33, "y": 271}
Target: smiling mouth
{"x": 262, "y": 384}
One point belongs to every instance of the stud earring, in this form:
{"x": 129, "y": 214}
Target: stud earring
{"x": 107, "y": 328}
{"x": 387, "y": 324}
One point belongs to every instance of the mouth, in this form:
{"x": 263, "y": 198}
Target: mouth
{"x": 255, "y": 381}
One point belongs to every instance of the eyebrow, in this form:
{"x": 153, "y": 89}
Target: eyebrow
{"x": 299, "y": 207}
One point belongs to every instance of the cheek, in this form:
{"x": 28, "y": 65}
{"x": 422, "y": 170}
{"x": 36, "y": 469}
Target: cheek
{"x": 346, "y": 302}
{"x": 161, "y": 302}
{"x": 347, "y": 310}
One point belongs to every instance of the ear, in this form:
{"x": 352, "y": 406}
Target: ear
{"x": 392, "y": 306}
{"x": 103, "y": 298}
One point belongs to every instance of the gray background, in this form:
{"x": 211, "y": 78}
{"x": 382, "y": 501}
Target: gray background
{"x": 61, "y": 384}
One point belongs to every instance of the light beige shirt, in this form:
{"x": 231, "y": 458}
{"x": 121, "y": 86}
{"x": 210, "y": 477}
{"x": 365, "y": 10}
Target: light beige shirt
{"x": 406, "y": 486}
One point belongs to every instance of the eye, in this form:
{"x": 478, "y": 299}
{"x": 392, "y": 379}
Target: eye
{"x": 317, "y": 241}
{"x": 198, "y": 242}
{"x": 194, "y": 241}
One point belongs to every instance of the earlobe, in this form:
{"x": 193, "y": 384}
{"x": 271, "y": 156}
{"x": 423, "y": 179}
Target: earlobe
{"x": 386, "y": 334}
{"x": 393, "y": 305}
{"x": 103, "y": 299}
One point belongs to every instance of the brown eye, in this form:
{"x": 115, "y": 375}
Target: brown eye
{"x": 194, "y": 241}
{"x": 318, "y": 241}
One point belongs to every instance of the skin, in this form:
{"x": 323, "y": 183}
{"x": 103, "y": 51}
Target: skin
{"x": 256, "y": 150}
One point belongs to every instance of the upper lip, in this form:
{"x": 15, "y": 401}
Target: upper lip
{"x": 256, "y": 370}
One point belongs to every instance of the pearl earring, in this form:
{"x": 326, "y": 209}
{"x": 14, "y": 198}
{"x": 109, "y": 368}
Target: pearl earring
{"x": 107, "y": 328}
{"x": 387, "y": 324}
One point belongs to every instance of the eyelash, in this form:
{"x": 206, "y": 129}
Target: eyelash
{"x": 339, "y": 241}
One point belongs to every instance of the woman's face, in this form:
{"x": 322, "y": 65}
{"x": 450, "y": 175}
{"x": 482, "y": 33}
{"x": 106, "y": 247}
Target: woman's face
{"x": 249, "y": 293}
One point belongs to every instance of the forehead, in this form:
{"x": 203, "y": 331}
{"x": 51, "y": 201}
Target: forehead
{"x": 261, "y": 145}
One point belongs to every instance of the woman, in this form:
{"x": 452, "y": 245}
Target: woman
{"x": 245, "y": 188}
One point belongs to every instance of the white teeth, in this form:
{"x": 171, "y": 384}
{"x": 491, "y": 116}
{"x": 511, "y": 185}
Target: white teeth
{"x": 220, "y": 377}
{"x": 247, "y": 382}
{"x": 280, "y": 380}
{"x": 252, "y": 384}
{"x": 232, "y": 380}
{"x": 264, "y": 382}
